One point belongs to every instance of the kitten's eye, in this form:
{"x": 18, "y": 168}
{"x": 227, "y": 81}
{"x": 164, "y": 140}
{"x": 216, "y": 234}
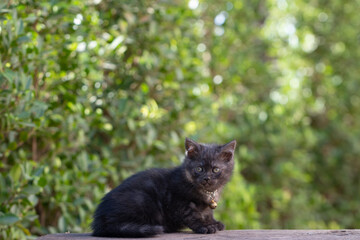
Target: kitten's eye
{"x": 198, "y": 169}
{"x": 216, "y": 169}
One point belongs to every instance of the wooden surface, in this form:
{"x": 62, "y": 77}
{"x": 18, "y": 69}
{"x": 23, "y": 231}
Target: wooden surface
{"x": 232, "y": 234}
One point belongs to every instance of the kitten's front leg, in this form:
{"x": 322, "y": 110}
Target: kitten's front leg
{"x": 201, "y": 221}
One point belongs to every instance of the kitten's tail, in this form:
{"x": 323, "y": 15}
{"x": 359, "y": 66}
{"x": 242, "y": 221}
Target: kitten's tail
{"x": 131, "y": 230}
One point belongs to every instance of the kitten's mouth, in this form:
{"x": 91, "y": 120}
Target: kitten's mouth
{"x": 207, "y": 186}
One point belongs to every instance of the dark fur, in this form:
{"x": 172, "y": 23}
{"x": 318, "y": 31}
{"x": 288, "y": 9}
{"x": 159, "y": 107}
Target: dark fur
{"x": 167, "y": 200}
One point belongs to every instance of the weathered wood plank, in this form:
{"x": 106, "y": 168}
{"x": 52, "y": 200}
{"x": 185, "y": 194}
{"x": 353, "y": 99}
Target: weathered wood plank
{"x": 232, "y": 234}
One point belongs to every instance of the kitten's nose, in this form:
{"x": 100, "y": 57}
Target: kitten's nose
{"x": 207, "y": 178}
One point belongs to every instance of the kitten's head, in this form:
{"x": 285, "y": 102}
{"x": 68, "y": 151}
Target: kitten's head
{"x": 208, "y": 166}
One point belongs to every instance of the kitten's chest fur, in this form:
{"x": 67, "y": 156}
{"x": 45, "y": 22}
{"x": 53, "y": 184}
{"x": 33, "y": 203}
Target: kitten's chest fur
{"x": 180, "y": 196}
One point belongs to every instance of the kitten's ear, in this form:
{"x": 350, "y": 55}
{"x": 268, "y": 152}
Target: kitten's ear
{"x": 191, "y": 147}
{"x": 227, "y": 151}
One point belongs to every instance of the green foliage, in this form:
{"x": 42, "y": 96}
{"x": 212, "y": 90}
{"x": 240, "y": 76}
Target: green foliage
{"x": 93, "y": 91}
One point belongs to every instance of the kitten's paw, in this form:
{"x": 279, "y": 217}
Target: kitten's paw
{"x": 206, "y": 229}
{"x": 220, "y": 226}
{"x": 201, "y": 230}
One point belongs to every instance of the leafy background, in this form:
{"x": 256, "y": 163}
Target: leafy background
{"x": 92, "y": 91}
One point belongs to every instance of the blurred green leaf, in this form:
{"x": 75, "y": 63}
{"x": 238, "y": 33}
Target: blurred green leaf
{"x": 42, "y": 182}
{"x": 8, "y": 219}
{"x": 38, "y": 171}
{"x": 31, "y": 189}
{"x": 15, "y": 173}
{"x": 23, "y": 39}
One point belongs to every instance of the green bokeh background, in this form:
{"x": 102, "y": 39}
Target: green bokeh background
{"x": 92, "y": 91}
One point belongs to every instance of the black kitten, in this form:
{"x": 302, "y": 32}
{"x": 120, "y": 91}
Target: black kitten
{"x": 167, "y": 200}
